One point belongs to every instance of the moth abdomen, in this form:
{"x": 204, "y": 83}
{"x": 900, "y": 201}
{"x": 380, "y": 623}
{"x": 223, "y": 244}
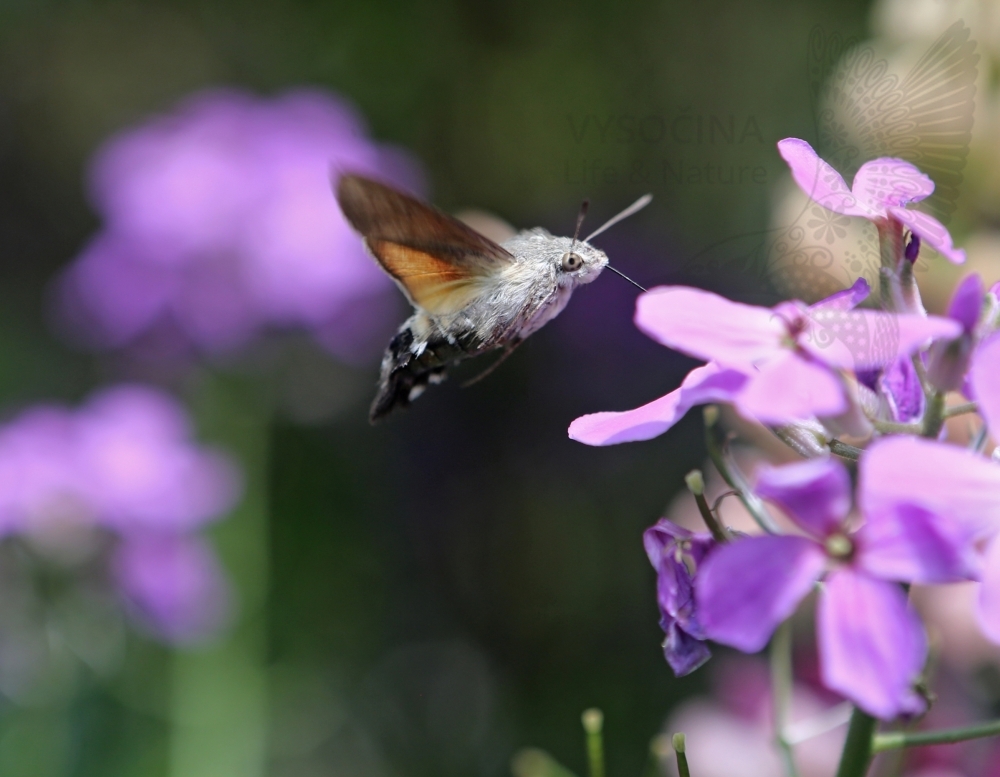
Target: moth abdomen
{"x": 411, "y": 363}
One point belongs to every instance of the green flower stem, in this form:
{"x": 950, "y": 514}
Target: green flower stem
{"x": 845, "y": 451}
{"x": 732, "y": 475}
{"x": 894, "y": 740}
{"x": 857, "y": 752}
{"x": 921, "y": 370}
{"x": 933, "y": 415}
{"x": 965, "y": 407}
{"x": 890, "y": 240}
{"x": 893, "y": 427}
{"x": 696, "y": 485}
{"x": 680, "y": 747}
{"x": 593, "y": 723}
{"x": 218, "y": 698}
{"x": 781, "y": 691}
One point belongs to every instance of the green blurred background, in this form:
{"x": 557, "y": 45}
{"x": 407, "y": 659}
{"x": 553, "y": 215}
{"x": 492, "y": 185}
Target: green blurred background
{"x": 427, "y": 596}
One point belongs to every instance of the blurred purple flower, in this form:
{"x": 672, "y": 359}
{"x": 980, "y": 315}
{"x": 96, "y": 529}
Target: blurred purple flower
{"x": 774, "y": 365}
{"x": 951, "y": 482}
{"x": 872, "y": 645}
{"x": 948, "y": 360}
{"x": 172, "y": 583}
{"x": 900, "y": 384}
{"x": 143, "y": 470}
{"x": 219, "y": 221}
{"x": 984, "y": 381}
{"x": 676, "y": 554}
{"x": 126, "y": 463}
{"x": 881, "y": 191}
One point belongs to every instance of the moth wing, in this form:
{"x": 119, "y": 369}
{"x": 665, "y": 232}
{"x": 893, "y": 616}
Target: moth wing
{"x": 440, "y": 263}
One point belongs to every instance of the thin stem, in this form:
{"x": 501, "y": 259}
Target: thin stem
{"x": 909, "y": 292}
{"x": 593, "y": 723}
{"x": 845, "y": 451}
{"x": 209, "y": 734}
{"x": 781, "y": 691}
{"x": 828, "y": 720}
{"x": 696, "y": 485}
{"x": 732, "y": 475}
{"x": 921, "y": 370}
{"x": 890, "y": 240}
{"x": 965, "y": 407}
{"x": 978, "y": 443}
{"x": 893, "y": 427}
{"x": 679, "y": 749}
{"x": 933, "y": 415}
{"x": 857, "y": 753}
{"x": 894, "y": 740}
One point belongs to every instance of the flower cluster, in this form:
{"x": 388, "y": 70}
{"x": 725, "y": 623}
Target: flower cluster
{"x": 219, "y": 221}
{"x": 123, "y": 471}
{"x": 926, "y": 505}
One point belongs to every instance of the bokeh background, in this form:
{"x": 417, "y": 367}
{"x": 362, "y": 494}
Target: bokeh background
{"x": 430, "y": 595}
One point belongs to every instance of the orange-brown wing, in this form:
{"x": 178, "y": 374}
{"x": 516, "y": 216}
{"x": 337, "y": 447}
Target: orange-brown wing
{"x": 439, "y": 262}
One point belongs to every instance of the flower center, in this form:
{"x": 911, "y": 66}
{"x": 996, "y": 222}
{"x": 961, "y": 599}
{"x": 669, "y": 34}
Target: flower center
{"x": 839, "y": 546}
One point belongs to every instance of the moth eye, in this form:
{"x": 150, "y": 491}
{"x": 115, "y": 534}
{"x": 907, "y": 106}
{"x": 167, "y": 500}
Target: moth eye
{"x": 572, "y": 262}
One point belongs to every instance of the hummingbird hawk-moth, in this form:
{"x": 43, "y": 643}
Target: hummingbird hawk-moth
{"x": 470, "y": 295}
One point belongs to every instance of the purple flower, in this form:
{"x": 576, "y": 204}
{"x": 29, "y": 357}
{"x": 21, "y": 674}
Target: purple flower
{"x": 871, "y": 643}
{"x": 984, "y": 379}
{"x": 125, "y": 464}
{"x": 676, "y": 554}
{"x": 173, "y": 585}
{"x": 219, "y": 221}
{"x": 881, "y": 191}
{"x": 774, "y": 365}
{"x": 951, "y": 483}
{"x": 143, "y": 470}
{"x": 900, "y": 384}
{"x": 948, "y": 360}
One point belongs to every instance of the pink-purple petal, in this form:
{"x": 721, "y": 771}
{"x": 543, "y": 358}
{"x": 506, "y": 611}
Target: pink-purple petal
{"x": 914, "y": 545}
{"x": 988, "y": 604}
{"x": 791, "y": 388}
{"x": 820, "y": 182}
{"x": 746, "y": 588}
{"x": 967, "y": 302}
{"x": 683, "y": 652}
{"x": 886, "y": 182}
{"x": 900, "y": 384}
{"x": 931, "y": 231}
{"x": 710, "y": 327}
{"x": 870, "y": 339}
{"x": 872, "y": 645}
{"x": 944, "y": 479}
{"x": 816, "y": 494}
{"x": 984, "y": 376}
{"x": 848, "y": 299}
{"x": 708, "y": 383}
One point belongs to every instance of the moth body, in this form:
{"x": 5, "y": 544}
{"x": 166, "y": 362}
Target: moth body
{"x": 469, "y": 294}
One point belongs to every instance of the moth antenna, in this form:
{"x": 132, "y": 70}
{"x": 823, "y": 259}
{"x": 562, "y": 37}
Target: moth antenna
{"x": 623, "y": 275}
{"x": 584, "y": 207}
{"x": 635, "y": 207}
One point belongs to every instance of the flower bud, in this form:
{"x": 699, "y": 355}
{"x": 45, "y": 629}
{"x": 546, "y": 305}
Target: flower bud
{"x": 807, "y": 438}
{"x": 948, "y": 360}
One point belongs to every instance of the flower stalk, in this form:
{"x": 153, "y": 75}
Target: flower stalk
{"x": 679, "y": 749}
{"x": 858, "y": 748}
{"x": 593, "y": 724}
{"x": 732, "y": 475}
{"x": 895, "y": 740}
{"x": 696, "y": 485}
{"x": 781, "y": 692}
